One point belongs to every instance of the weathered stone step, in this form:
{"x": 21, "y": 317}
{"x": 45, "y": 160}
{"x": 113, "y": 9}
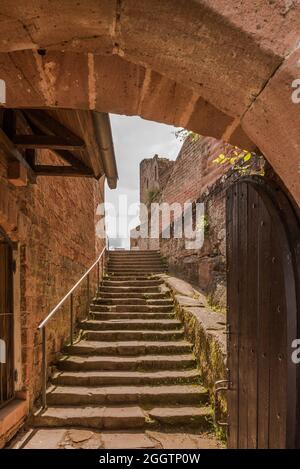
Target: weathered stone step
{"x": 136, "y": 275}
{"x": 145, "y": 315}
{"x": 146, "y": 362}
{"x": 125, "y": 335}
{"x": 199, "y": 417}
{"x": 128, "y": 289}
{"x": 138, "y": 267}
{"x": 134, "y": 324}
{"x": 138, "y": 253}
{"x": 132, "y": 308}
{"x": 110, "y": 378}
{"x": 134, "y": 270}
{"x": 128, "y": 348}
{"x": 121, "y": 417}
{"x": 108, "y": 418}
{"x": 110, "y": 395}
{"x": 131, "y": 301}
{"x": 147, "y": 296}
{"x": 130, "y": 282}
{"x": 136, "y": 262}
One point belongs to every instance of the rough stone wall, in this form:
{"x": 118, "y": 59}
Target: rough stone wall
{"x": 205, "y": 267}
{"x": 154, "y": 174}
{"x": 53, "y": 223}
{"x": 193, "y": 179}
{"x": 194, "y": 170}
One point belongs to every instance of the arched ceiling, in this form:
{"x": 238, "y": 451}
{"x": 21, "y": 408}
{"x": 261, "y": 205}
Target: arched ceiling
{"x": 219, "y": 68}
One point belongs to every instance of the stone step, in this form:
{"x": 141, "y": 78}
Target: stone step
{"x": 135, "y": 262}
{"x": 147, "y": 315}
{"x": 135, "y": 276}
{"x": 101, "y": 418}
{"x": 126, "y": 335}
{"x": 146, "y": 362}
{"x": 132, "y": 308}
{"x": 139, "y": 253}
{"x": 129, "y": 282}
{"x": 132, "y": 301}
{"x": 148, "y": 296}
{"x": 120, "y": 325}
{"x": 121, "y": 417}
{"x": 199, "y": 417}
{"x": 115, "y": 289}
{"x": 143, "y": 270}
{"x": 131, "y": 378}
{"x": 128, "y": 348}
{"x": 110, "y": 395}
{"x": 138, "y": 267}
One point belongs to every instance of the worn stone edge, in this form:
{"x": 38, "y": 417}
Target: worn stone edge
{"x": 208, "y": 339}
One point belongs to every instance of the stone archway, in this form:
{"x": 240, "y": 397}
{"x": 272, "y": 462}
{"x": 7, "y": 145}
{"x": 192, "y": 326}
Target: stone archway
{"x": 220, "y": 69}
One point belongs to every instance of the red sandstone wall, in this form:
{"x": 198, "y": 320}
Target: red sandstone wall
{"x": 193, "y": 175}
{"x": 54, "y": 224}
{"x": 194, "y": 170}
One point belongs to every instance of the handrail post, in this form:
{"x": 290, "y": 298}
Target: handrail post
{"x": 44, "y": 368}
{"x": 71, "y": 319}
{"x": 98, "y": 277}
{"x": 103, "y": 264}
{"x": 88, "y": 293}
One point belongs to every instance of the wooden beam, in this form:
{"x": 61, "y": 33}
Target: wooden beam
{"x": 30, "y": 156}
{"x": 46, "y": 123}
{"x": 49, "y": 142}
{"x": 9, "y": 122}
{"x": 66, "y": 171}
{"x": 71, "y": 159}
{"x": 13, "y": 154}
{"x": 16, "y": 173}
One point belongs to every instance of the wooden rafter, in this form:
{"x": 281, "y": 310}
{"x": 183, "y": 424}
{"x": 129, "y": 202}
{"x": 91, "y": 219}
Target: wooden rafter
{"x": 51, "y": 142}
{"x": 13, "y": 156}
{"x": 49, "y": 170}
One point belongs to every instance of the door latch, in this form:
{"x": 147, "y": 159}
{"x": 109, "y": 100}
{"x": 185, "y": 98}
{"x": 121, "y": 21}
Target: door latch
{"x": 220, "y": 386}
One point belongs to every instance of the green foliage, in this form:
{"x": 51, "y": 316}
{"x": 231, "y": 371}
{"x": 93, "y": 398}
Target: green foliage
{"x": 203, "y": 224}
{"x": 182, "y": 134}
{"x": 243, "y": 161}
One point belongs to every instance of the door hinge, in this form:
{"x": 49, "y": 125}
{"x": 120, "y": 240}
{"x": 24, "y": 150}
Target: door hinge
{"x": 14, "y": 266}
{"x": 15, "y": 375}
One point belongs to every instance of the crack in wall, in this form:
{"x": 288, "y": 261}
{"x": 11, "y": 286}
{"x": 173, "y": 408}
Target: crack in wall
{"x": 264, "y": 86}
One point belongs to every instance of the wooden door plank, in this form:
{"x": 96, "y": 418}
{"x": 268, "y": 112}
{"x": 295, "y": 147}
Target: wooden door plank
{"x": 243, "y": 314}
{"x": 252, "y": 286}
{"x": 232, "y": 314}
{"x": 264, "y": 327}
{"x": 278, "y": 350}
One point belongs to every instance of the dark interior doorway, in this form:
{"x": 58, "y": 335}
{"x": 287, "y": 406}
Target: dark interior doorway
{"x": 6, "y": 321}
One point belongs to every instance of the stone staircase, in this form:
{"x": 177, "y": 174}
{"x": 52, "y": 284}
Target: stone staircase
{"x": 132, "y": 367}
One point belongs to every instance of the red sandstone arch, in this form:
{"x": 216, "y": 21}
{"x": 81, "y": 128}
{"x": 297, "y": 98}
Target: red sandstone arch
{"x": 220, "y": 68}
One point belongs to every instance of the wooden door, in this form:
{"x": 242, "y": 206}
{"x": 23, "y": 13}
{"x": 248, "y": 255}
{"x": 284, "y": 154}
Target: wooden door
{"x": 263, "y": 244}
{"x": 6, "y": 323}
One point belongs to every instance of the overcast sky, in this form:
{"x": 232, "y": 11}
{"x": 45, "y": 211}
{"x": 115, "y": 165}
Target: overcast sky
{"x": 135, "y": 139}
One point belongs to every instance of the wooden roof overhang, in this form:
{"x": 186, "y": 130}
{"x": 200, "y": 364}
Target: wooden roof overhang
{"x": 80, "y": 140}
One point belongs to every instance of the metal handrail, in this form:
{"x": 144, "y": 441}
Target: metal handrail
{"x": 43, "y": 324}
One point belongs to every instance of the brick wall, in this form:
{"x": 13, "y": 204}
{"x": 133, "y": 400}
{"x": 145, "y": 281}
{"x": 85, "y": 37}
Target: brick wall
{"x": 53, "y": 223}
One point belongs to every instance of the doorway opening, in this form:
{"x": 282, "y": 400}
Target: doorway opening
{"x": 7, "y": 391}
